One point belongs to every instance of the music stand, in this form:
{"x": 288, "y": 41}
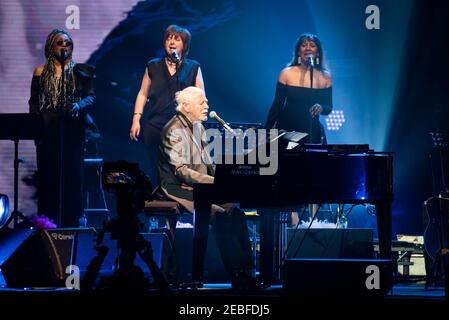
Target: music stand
{"x": 16, "y": 127}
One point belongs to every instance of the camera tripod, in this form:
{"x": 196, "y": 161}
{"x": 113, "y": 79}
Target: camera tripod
{"x": 125, "y": 230}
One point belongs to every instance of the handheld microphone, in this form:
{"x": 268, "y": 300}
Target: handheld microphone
{"x": 175, "y": 57}
{"x": 214, "y": 115}
{"x": 311, "y": 61}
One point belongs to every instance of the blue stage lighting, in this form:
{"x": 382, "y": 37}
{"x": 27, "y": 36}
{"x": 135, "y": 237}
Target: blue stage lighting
{"x": 4, "y": 209}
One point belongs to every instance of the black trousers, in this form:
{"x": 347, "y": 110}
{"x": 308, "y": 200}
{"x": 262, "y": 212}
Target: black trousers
{"x": 59, "y": 165}
{"x": 231, "y": 233}
{"x": 232, "y": 238}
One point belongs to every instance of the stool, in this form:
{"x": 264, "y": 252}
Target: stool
{"x": 171, "y": 210}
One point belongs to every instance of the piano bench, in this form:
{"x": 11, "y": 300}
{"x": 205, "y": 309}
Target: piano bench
{"x": 162, "y": 208}
{"x": 156, "y": 209}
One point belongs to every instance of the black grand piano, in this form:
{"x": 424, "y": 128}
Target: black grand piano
{"x": 309, "y": 175}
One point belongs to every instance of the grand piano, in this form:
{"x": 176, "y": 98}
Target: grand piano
{"x": 307, "y": 175}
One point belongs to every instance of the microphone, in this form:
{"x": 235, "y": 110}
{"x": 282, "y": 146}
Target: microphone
{"x": 63, "y": 55}
{"x": 175, "y": 57}
{"x": 214, "y": 115}
{"x": 311, "y": 61}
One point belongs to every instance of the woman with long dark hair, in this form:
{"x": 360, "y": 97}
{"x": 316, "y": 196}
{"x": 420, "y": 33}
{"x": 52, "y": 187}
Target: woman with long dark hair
{"x": 303, "y": 91}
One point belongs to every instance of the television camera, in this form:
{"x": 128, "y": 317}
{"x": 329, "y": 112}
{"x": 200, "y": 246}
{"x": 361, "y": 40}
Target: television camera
{"x": 132, "y": 188}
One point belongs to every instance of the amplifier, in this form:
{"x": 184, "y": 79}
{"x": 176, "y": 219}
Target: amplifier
{"x": 338, "y": 278}
{"x": 40, "y": 258}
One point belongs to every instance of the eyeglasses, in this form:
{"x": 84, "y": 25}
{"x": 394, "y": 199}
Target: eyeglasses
{"x": 66, "y": 43}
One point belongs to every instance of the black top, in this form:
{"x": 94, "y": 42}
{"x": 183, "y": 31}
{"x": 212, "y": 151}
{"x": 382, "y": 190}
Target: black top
{"x": 84, "y": 94}
{"x": 162, "y": 93}
{"x": 290, "y": 109}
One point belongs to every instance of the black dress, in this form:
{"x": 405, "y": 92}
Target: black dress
{"x": 161, "y": 102}
{"x": 59, "y": 151}
{"x": 290, "y": 110}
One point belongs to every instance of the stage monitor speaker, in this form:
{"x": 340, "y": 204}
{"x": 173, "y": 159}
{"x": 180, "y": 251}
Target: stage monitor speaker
{"x": 40, "y": 258}
{"x": 330, "y": 243}
{"x": 339, "y": 278}
{"x": 10, "y": 242}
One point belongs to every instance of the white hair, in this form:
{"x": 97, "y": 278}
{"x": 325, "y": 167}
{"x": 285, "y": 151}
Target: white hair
{"x": 186, "y": 96}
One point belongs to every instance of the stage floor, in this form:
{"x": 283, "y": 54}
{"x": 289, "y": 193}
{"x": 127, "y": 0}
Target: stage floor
{"x": 226, "y": 303}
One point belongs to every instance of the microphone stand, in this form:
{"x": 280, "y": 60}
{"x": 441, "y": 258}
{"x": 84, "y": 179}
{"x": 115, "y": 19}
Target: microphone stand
{"x": 62, "y": 119}
{"x": 310, "y": 103}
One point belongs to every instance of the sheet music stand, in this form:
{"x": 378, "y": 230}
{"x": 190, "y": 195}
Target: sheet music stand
{"x": 16, "y": 127}
{"x": 287, "y": 140}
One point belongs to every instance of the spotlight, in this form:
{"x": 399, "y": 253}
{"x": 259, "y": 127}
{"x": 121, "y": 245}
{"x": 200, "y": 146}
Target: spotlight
{"x": 4, "y": 209}
{"x": 335, "y": 120}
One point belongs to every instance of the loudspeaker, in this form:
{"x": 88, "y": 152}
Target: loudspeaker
{"x": 338, "y": 278}
{"x": 330, "y": 243}
{"x": 10, "y": 242}
{"x": 40, "y": 258}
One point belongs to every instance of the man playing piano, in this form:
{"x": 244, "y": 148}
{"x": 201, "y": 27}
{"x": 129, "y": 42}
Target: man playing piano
{"x": 183, "y": 161}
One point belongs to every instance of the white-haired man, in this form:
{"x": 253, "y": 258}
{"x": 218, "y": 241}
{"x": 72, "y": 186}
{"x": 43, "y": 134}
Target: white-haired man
{"x": 179, "y": 165}
{"x": 183, "y": 161}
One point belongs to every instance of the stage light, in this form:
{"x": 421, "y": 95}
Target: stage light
{"x": 335, "y": 120}
{"x": 4, "y": 209}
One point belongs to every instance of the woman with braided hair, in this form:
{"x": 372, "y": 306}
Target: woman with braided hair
{"x": 61, "y": 92}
